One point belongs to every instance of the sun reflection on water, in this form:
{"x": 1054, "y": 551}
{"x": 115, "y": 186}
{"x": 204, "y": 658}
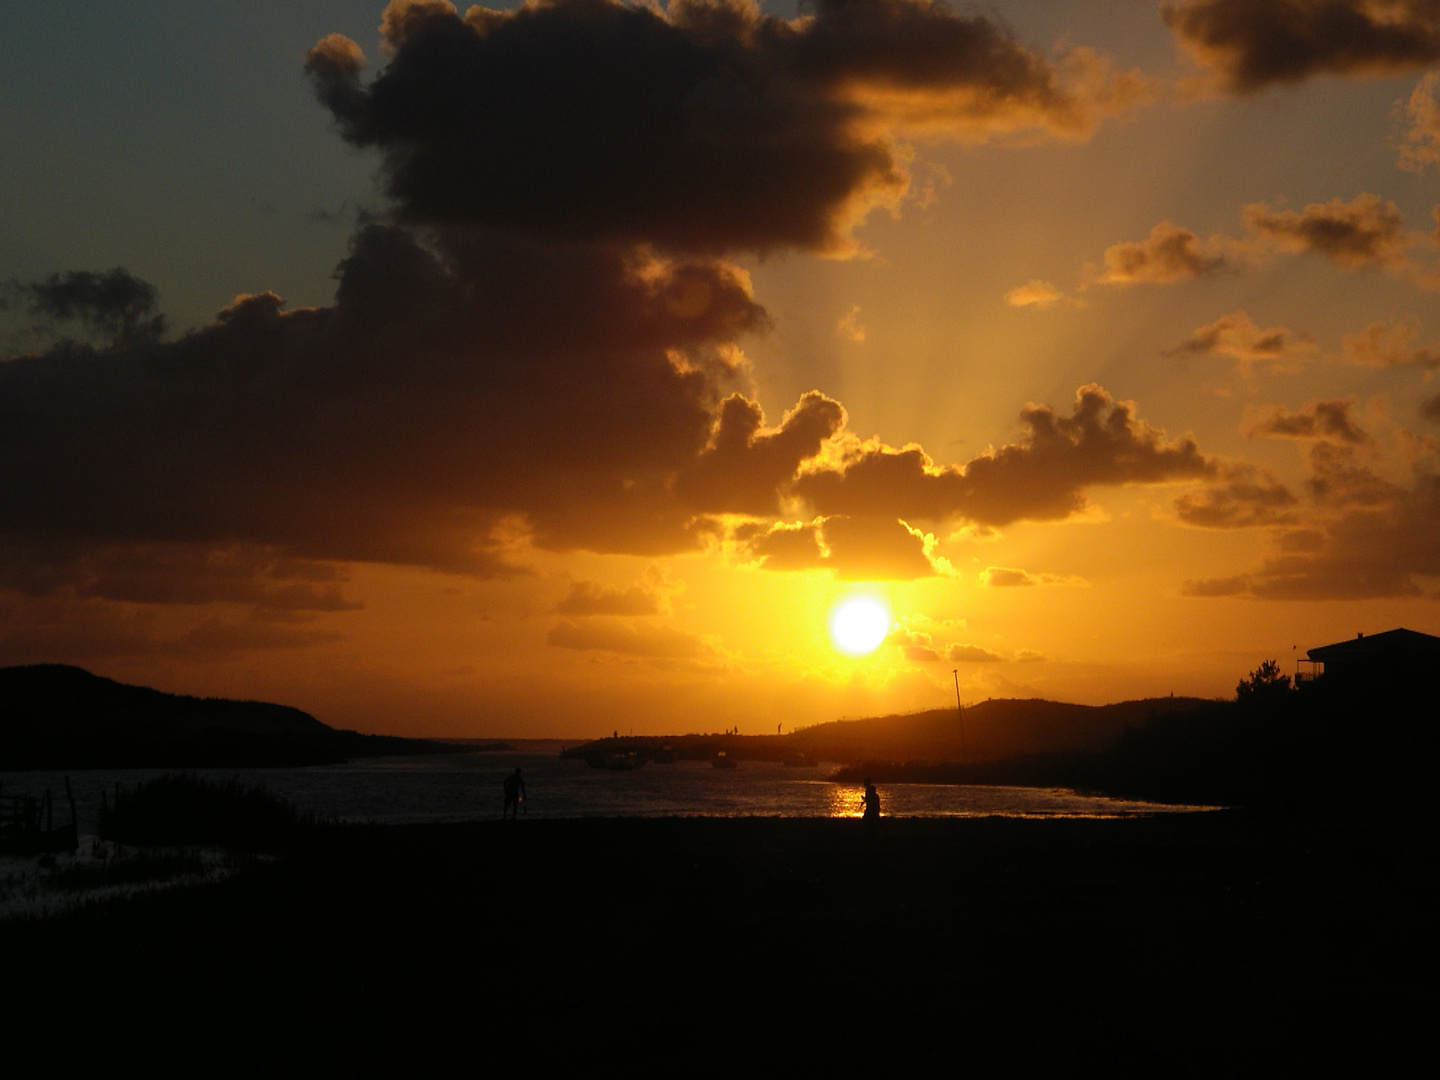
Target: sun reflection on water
{"x": 847, "y": 800}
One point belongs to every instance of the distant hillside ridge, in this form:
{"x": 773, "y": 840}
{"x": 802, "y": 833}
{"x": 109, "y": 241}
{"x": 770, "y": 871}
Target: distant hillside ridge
{"x": 999, "y": 730}
{"x": 55, "y": 716}
{"x": 991, "y": 730}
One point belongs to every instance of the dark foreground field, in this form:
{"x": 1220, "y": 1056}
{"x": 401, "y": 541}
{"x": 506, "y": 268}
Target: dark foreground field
{"x": 1182, "y": 945}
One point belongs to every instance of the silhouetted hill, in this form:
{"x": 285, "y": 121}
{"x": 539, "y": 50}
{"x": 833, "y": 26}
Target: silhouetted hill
{"x": 1026, "y": 735}
{"x": 993, "y": 730}
{"x": 53, "y": 716}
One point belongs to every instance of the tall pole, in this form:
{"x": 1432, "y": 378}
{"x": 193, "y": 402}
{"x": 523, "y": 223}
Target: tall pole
{"x": 960, "y": 712}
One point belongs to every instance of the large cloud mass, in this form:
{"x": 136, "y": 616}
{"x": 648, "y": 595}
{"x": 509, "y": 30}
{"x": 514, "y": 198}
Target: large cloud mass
{"x": 538, "y": 337}
{"x": 701, "y": 127}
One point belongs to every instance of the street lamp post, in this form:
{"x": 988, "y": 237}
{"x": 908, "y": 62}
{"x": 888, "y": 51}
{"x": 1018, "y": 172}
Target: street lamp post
{"x": 961, "y": 713}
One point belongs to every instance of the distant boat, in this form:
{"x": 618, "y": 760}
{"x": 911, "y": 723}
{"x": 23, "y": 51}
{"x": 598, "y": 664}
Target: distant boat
{"x": 722, "y": 761}
{"x": 799, "y": 761}
{"x": 624, "y": 762}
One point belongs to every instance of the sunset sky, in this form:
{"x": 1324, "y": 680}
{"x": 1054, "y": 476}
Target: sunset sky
{"x": 552, "y": 370}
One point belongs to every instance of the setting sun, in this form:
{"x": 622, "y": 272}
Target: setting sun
{"x": 858, "y": 625}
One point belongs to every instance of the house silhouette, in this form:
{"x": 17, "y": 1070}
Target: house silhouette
{"x": 1393, "y": 658}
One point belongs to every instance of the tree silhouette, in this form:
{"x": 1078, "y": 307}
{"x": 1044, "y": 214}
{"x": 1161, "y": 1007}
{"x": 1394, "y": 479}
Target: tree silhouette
{"x": 1263, "y": 683}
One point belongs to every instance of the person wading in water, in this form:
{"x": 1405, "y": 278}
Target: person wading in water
{"x": 514, "y": 794}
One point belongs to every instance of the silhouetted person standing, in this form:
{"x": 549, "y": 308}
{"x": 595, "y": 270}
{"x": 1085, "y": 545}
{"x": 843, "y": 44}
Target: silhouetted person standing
{"x": 514, "y": 794}
{"x": 871, "y": 802}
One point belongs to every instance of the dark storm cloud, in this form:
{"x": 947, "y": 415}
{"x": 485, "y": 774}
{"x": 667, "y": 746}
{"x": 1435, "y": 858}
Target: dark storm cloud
{"x": 1256, "y": 43}
{"x": 1041, "y": 477}
{"x": 704, "y": 127}
{"x": 112, "y": 304}
{"x": 1317, "y": 420}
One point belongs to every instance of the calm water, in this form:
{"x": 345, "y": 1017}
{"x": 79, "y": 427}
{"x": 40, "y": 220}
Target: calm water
{"x": 466, "y": 787}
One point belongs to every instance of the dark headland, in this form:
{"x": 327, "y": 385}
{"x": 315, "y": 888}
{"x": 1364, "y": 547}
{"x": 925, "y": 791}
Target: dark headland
{"x": 54, "y": 716}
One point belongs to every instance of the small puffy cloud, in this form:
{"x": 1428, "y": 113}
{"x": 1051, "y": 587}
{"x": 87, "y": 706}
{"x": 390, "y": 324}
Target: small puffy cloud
{"x": 850, "y": 327}
{"x": 1038, "y": 294}
{"x": 1420, "y": 147}
{"x": 1170, "y": 253}
{"x": 972, "y": 654}
{"x": 1317, "y": 420}
{"x": 1005, "y": 577}
{"x": 916, "y": 646}
{"x": 1365, "y": 231}
{"x": 1252, "y": 44}
{"x": 1237, "y": 337}
{"x": 1389, "y": 345}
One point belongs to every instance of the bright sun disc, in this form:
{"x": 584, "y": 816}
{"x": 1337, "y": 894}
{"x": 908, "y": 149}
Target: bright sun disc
{"x": 859, "y": 625}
